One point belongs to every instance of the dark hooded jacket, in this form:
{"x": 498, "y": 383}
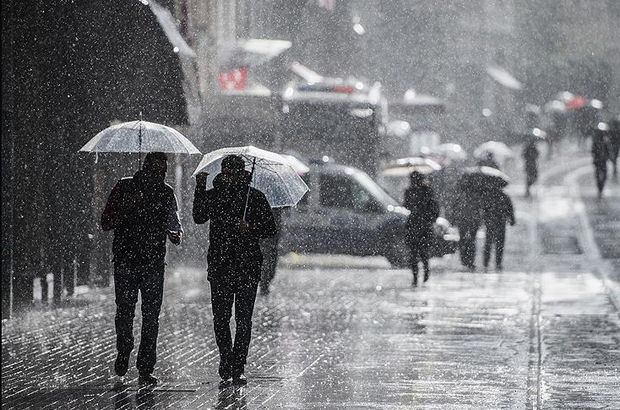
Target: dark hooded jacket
{"x": 140, "y": 209}
{"x": 420, "y": 201}
{"x": 233, "y": 254}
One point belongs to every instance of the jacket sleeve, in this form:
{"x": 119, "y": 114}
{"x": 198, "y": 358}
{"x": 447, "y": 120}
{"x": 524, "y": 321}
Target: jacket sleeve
{"x": 112, "y": 213}
{"x": 264, "y": 226}
{"x": 203, "y": 204}
{"x": 174, "y": 223}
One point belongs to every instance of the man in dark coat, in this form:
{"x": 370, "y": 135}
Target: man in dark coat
{"x": 234, "y": 257}
{"x": 142, "y": 211}
{"x": 466, "y": 215}
{"x": 497, "y": 211}
{"x": 530, "y": 157}
{"x": 424, "y": 210}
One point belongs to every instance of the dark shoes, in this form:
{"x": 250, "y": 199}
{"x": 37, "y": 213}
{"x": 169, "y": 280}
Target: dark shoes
{"x": 121, "y": 364}
{"x": 240, "y": 380}
{"x": 426, "y": 276}
{"x": 147, "y": 380}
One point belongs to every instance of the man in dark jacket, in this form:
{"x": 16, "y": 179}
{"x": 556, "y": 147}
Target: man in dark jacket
{"x": 240, "y": 216}
{"x": 497, "y": 211}
{"x": 142, "y": 211}
{"x": 424, "y": 210}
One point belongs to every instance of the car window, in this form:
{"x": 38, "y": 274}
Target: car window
{"x": 336, "y": 191}
{"x": 339, "y": 191}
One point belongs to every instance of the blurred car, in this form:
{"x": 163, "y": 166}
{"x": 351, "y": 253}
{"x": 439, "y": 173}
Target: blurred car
{"x": 346, "y": 212}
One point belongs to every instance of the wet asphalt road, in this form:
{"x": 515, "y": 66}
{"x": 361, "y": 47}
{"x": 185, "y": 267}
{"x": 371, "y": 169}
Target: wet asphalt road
{"x": 340, "y": 332}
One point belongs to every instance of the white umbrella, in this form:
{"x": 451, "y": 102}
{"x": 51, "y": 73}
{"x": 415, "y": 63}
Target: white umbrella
{"x": 272, "y": 174}
{"x": 452, "y": 151}
{"x": 405, "y": 166}
{"x": 140, "y": 136}
{"x": 499, "y": 150}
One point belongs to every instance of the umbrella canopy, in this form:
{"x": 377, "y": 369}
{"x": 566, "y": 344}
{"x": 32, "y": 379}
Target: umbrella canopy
{"x": 483, "y": 178}
{"x": 406, "y": 166}
{"x": 296, "y": 164}
{"x": 498, "y": 149}
{"x": 272, "y": 174}
{"x": 140, "y": 136}
{"x": 451, "y": 151}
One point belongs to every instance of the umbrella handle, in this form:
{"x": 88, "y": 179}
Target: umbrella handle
{"x": 247, "y": 195}
{"x": 140, "y": 142}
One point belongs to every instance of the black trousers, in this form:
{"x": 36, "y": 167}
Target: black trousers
{"x": 419, "y": 244}
{"x": 495, "y": 238}
{"x": 467, "y": 244}
{"x": 600, "y": 172}
{"x": 224, "y": 294}
{"x": 128, "y": 281}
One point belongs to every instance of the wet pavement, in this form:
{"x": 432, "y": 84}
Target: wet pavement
{"x": 344, "y": 332}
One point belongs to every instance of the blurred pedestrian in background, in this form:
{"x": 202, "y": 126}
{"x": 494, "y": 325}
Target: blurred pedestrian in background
{"x": 424, "y": 210}
{"x": 142, "y": 211}
{"x": 530, "y": 157}
{"x": 467, "y": 216}
{"x": 600, "y": 154}
{"x": 497, "y": 210}
{"x": 614, "y": 144}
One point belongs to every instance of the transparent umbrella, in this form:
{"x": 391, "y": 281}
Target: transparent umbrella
{"x": 272, "y": 174}
{"x": 140, "y": 136}
{"x": 498, "y": 149}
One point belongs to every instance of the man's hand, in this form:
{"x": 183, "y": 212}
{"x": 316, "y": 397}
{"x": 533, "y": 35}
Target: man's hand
{"x": 175, "y": 237}
{"x": 201, "y": 179}
{"x": 244, "y": 227}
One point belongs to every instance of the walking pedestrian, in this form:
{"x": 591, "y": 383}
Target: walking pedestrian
{"x": 424, "y": 210}
{"x": 497, "y": 211}
{"x": 269, "y": 248}
{"x": 614, "y": 144}
{"x": 240, "y": 216}
{"x": 466, "y": 215}
{"x": 600, "y": 154}
{"x": 530, "y": 157}
{"x": 142, "y": 211}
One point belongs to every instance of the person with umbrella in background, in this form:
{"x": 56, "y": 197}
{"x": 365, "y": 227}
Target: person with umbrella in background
{"x": 497, "y": 210}
{"x": 240, "y": 216}
{"x": 142, "y": 211}
{"x": 424, "y": 210}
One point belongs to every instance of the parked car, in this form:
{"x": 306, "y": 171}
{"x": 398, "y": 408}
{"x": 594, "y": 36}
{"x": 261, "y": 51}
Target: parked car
{"x": 346, "y": 212}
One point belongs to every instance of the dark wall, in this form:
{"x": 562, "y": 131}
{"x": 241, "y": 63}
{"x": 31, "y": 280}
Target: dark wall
{"x": 75, "y": 67}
